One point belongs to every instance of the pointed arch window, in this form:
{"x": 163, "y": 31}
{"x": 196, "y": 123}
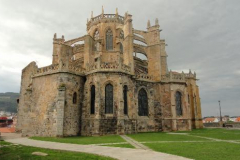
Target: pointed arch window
{"x": 125, "y": 89}
{"x": 109, "y": 40}
{"x": 121, "y": 48}
{"x": 178, "y": 99}
{"x": 109, "y": 98}
{"x": 74, "y": 98}
{"x": 142, "y": 103}
{"x": 92, "y": 111}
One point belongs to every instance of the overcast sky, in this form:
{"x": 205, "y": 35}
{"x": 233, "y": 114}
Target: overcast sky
{"x": 202, "y": 35}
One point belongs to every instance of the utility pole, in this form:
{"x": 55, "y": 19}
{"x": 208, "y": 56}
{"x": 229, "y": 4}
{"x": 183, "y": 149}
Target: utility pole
{"x": 220, "y": 111}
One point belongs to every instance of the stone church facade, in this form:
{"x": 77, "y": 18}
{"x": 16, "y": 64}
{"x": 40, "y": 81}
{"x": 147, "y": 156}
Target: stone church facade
{"x": 100, "y": 84}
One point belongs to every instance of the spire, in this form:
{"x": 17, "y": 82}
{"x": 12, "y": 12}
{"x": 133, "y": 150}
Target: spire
{"x": 92, "y": 14}
{"x": 156, "y": 22}
{"x": 125, "y": 15}
{"x": 102, "y": 10}
{"x": 116, "y": 11}
{"x": 148, "y": 24}
{"x": 55, "y": 35}
{"x": 190, "y": 72}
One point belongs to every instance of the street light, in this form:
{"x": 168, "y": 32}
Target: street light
{"x": 220, "y": 111}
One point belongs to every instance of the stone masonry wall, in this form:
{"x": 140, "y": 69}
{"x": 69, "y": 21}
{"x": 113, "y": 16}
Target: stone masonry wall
{"x": 118, "y": 123}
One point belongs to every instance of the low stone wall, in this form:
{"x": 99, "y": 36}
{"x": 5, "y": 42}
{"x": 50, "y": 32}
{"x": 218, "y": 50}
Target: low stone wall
{"x": 216, "y": 124}
{"x": 211, "y": 125}
{"x": 232, "y": 125}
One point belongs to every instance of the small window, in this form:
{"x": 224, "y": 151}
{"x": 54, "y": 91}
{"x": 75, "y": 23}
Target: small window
{"x": 109, "y": 40}
{"x": 109, "y": 98}
{"x": 121, "y": 48}
{"x": 121, "y": 35}
{"x": 178, "y": 99}
{"x": 74, "y": 98}
{"x": 125, "y": 89}
{"x": 97, "y": 44}
{"x": 142, "y": 103}
{"x": 96, "y": 35}
{"x": 92, "y": 99}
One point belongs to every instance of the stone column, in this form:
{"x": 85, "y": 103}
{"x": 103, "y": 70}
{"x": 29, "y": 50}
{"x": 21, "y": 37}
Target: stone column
{"x": 60, "y": 110}
{"x": 173, "y": 110}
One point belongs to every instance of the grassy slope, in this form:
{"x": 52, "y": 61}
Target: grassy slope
{"x": 23, "y": 152}
{"x": 83, "y": 140}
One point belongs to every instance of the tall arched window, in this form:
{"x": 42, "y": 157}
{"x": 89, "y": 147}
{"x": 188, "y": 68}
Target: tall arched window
{"x": 109, "y": 40}
{"x": 121, "y": 48}
{"x": 125, "y": 89}
{"x": 142, "y": 103}
{"x": 109, "y": 98}
{"x": 92, "y": 99}
{"x": 178, "y": 99}
{"x": 74, "y": 98}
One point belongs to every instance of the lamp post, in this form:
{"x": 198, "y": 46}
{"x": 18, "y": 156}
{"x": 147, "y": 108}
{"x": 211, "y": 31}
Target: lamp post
{"x": 220, "y": 111}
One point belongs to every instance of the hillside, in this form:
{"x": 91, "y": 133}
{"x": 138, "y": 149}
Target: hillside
{"x": 8, "y": 102}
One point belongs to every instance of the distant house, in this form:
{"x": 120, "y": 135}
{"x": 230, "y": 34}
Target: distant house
{"x": 232, "y": 119}
{"x": 237, "y": 119}
{"x": 210, "y": 120}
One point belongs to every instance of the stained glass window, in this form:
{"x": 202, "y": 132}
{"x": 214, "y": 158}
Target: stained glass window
{"x": 109, "y": 40}
{"x": 109, "y": 98}
{"x": 142, "y": 103}
{"x": 125, "y": 89}
{"x": 92, "y": 99}
{"x": 178, "y": 99}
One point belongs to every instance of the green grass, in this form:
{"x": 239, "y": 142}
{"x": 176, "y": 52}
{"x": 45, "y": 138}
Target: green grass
{"x": 218, "y": 133}
{"x": 20, "y": 152}
{"x": 161, "y": 136}
{"x": 120, "y": 145}
{"x": 207, "y": 150}
{"x": 83, "y": 140}
{"x": 200, "y": 150}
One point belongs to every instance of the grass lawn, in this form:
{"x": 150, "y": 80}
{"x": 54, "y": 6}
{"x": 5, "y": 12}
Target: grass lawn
{"x": 83, "y": 140}
{"x": 13, "y": 152}
{"x": 223, "y": 134}
{"x": 206, "y": 150}
{"x": 200, "y": 150}
{"x": 161, "y": 136}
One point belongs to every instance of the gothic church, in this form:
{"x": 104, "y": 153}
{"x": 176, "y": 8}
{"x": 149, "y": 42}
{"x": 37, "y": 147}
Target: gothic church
{"x": 113, "y": 80}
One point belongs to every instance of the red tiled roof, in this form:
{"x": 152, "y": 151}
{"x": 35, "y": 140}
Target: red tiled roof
{"x": 209, "y": 119}
{"x": 7, "y": 130}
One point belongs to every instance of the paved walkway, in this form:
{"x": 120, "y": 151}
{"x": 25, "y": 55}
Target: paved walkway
{"x": 134, "y": 143}
{"x": 114, "y": 152}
